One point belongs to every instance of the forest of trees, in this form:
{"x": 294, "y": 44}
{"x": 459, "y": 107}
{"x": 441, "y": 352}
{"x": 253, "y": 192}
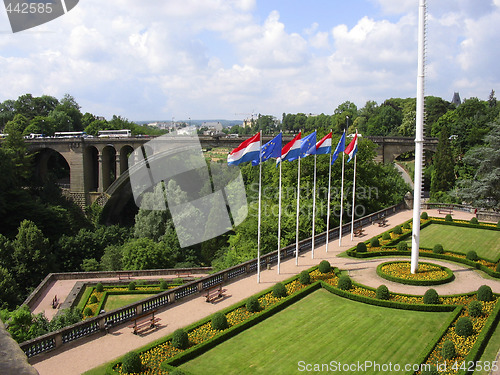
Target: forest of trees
{"x": 43, "y": 232}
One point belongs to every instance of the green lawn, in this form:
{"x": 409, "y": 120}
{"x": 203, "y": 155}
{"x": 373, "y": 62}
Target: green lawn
{"x": 116, "y": 301}
{"x": 322, "y": 328}
{"x": 491, "y": 351}
{"x": 485, "y": 242}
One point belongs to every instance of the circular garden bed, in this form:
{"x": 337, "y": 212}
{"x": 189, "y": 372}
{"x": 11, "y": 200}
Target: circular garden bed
{"x": 427, "y": 274}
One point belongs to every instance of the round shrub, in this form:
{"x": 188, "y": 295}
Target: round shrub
{"x": 87, "y": 311}
{"x": 431, "y": 297}
{"x": 382, "y": 292}
{"x": 361, "y": 247}
{"x": 424, "y": 216}
{"x": 464, "y": 327}
{"x": 304, "y": 278}
{"x": 253, "y": 304}
{"x": 163, "y": 285}
{"x": 474, "y": 220}
{"x": 279, "y": 290}
{"x": 180, "y": 339}
{"x": 386, "y": 236}
{"x": 99, "y": 287}
{"x": 324, "y": 266}
{"x": 472, "y": 255}
{"x": 448, "y": 350}
{"x": 374, "y": 242}
{"x": 219, "y": 321}
{"x": 475, "y": 309}
{"x": 448, "y": 217}
{"x": 345, "y": 282}
{"x": 397, "y": 230}
{"x": 131, "y": 286}
{"x": 406, "y": 226}
{"x": 484, "y": 293}
{"x": 93, "y": 299}
{"x": 432, "y": 370}
{"x": 402, "y": 246}
{"x": 438, "y": 249}
{"x": 132, "y": 362}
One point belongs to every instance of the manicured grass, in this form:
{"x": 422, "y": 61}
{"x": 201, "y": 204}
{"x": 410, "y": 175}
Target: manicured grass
{"x": 116, "y": 301}
{"x": 485, "y": 242}
{"x": 491, "y": 351}
{"x": 322, "y": 328}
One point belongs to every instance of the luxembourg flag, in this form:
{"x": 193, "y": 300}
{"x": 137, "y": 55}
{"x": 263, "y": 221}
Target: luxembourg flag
{"x": 291, "y": 151}
{"x": 324, "y": 146}
{"x": 249, "y": 150}
{"x": 352, "y": 148}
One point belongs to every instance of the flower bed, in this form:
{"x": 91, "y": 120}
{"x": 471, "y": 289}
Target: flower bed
{"x": 427, "y": 274}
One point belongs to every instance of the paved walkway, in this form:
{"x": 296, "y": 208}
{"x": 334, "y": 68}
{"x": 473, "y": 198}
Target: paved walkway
{"x": 88, "y": 353}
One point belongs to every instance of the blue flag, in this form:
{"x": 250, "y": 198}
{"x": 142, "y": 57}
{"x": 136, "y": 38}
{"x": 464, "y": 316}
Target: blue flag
{"x": 308, "y": 145}
{"x": 271, "y": 149}
{"x": 340, "y": 148}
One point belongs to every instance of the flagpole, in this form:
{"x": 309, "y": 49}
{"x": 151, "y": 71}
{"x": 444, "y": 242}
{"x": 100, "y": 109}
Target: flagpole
{"x": 314, "y": 208}
{"x": 328, "y": 205}
{"x": 279, "y": 224}
{"x": 341, "y": 200}
{"x": 297, "y": 226}
{"x": 260, "y": 204}
{"x": 353, "y": 197}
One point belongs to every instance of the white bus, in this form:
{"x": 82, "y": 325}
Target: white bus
{"x": 33, "y": 136}
{"x": 2, "y": 135}
{"x": 69, "y": 134}
{"x": 123, "y": 133}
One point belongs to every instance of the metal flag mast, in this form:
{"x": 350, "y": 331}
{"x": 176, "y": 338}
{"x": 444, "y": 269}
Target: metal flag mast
{"x": 419, "y": 137}
{"x": 314, "y": 206}
{"x": 328, "y": 206}
{"x": 298, "y": 209}
{"x": 279, "y": 221}
{"x": 260, "y": 201}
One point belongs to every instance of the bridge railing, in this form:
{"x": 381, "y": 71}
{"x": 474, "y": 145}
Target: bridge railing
{"x": 121, "y": 315}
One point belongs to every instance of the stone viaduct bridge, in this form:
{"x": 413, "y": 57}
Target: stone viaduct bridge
{"x": 93, "y": 165}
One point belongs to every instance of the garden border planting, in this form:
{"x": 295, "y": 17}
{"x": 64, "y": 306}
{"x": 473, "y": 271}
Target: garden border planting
{"x": 446, "y": 279}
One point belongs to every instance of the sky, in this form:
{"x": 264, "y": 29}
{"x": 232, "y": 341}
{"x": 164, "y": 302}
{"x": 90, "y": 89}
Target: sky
{"x": 228, "y": 59}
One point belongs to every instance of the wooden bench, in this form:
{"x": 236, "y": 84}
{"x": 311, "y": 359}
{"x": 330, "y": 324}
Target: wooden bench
{"x": 214, "y": 292}
{"x": 144, "y": 322}
{"x": 124, "y": 274}
{"x": 183, "y": 274}
{"x": 358, "y": 232}
{"x": 382, "y": 222}
{"x": 445, "y": 210}
{"x": 55, "y": 302}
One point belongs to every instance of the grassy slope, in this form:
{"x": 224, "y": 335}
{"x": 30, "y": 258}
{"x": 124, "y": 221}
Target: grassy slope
{"x": 318, "y": 329}
{"x": 115, "y": 301}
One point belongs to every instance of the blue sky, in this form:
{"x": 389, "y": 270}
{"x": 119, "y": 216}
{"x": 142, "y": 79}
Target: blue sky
{"x": 207, "y": 59}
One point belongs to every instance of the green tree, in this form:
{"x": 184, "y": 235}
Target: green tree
{"x": 9, "y": 290}
{"x": 443, "y": 176}
{"x": 144, "y": 253}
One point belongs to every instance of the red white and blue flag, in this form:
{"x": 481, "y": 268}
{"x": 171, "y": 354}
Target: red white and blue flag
{"x": 324, "y": 146}
{"x": 248, "y": 150}
{"x": 291, "y": 151}
{"x": 352, "y": 148}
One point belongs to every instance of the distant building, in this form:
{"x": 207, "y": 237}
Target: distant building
{"x": 212, "y": 128}
{"x": 247, "y": 123}
{"x": 456, "y": 99}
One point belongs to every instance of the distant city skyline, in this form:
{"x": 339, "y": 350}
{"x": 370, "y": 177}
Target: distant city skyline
{"x": 227, "y": 59}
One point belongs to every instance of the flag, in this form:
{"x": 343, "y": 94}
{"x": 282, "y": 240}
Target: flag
{"x": 340, "y": 148}
{"x": 352, "y": 148}
{"x": 271, "y": 149}
{"x": 308, "y": 145}
{"x": 324, "y": 146}
{"x": 249, "y": 150}
{"x": 291, "y": 151}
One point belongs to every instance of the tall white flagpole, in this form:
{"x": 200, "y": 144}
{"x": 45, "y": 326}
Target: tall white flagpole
{"x": 260, "y": 204}
{"x": 341, "y": 200}
{"x": 279, "y": 224}
{"x": 314, "y": 208}
{"x": 328, "y": 205}
{"x": 297, "y": 227}
{"x": 353, "y": 197}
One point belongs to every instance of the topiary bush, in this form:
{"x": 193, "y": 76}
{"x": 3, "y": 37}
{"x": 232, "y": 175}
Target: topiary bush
{"x": 438, "y": 249}
{"x": 253, "y": 304}
{"x": 345, "y": 282}
{"x": 402, "y": 246}
{"x": 464, "y": 327}
{"x": 374, "y": 242}
{"x": 93, "y": 299}
{"x": 324, "y": 266}
{"x": 448, "y": 350}
{"x": 132, "y": 363}
{"x": 219, "y": 321}
{"x": 484, "y": 293}
{"x": 180, "y": 339}
{"x": 474, "y": 220}
{"x": 406, "y": 226}
{"x": 472, "y": 255}
{"x": 431, "y": 297}
{"x": 386, "y": 236}
{"x": 382, "y": 292}
{"x": 475, "y": 309}
{"x": 304, "y": 278}
{"x": 279, "y": 290}
{"x": 397, "y": 230}
{"x": 424, "y": 216}
{"x": 448, "y": 217}
{"x": 131, "y": 286}
{"x": 163, "y": 285}
{"x": 361, "y": 247}
{"x": 99, "y": 287}
{"x": 88, "y": 311}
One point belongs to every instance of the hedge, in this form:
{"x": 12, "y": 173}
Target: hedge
{"x": 449, "y": 277}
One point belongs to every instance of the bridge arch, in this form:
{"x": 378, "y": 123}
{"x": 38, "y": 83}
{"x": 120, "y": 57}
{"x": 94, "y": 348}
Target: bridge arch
{"x": 50, "y": 164}
{"x": 125, "y": 152}
{"x": 108, "y": 162}
{"x": 91, "y": 168}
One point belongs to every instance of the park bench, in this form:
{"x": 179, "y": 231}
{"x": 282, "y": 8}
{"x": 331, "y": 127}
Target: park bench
{"x": 214, "y": 292}
{"x": 358, "y": 232}
{"x": 55, "y": 302}
{"x": 445, "y": 210}
{"x": 144, "y": 322}
{"x": 124, "y": 275}
{"x": 382, "y": 222}
{"x": 183, "y": 274}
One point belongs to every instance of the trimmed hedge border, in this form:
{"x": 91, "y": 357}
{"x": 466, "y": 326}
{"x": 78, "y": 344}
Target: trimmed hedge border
{"x": 449, "y": 277}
